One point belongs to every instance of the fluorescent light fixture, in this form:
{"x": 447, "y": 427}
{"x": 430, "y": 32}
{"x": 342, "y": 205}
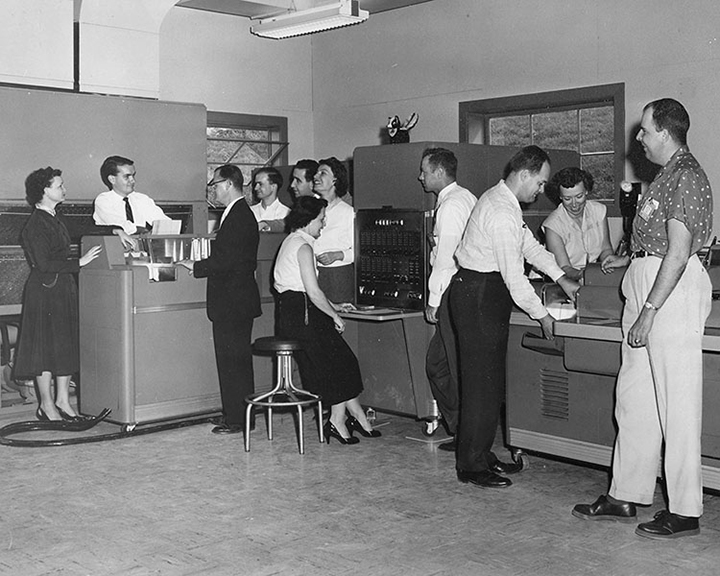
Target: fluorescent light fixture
{"x": 318, "y": 19}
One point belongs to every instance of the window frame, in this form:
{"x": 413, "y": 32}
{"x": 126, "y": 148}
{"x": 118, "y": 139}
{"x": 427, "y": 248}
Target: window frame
{"x": 555, "y": 101}
{"x": 275, "y": 124}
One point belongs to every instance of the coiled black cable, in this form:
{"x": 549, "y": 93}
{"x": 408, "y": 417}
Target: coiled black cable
{"x": 82, "y": 426}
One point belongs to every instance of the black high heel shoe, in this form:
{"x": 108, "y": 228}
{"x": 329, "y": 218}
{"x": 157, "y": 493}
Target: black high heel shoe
{"x": 353, "y": 424}
{"x": 40, "y": 415}
{"x": 330, "y": 430}
{"x": 67, "y": 417}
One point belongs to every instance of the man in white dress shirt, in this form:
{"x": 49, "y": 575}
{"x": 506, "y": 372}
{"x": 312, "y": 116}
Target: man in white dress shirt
{"x": 491, "y": 259}
{"x": 438, "y": 170}
{"x": 269, "y": 212}
{"x": 121, "y": 209}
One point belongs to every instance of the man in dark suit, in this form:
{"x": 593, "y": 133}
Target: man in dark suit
{"x": 233, "y": 299}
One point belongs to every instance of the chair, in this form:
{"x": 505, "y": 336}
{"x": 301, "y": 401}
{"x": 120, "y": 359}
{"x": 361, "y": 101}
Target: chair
{"x": 284, "y": 388}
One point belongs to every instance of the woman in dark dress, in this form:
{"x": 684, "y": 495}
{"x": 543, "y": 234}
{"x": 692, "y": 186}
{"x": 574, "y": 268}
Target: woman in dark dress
{"x": 49, "y": 337}
{"x": 327, "y": 365}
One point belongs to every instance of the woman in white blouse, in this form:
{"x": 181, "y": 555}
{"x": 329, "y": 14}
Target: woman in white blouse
{"x": 577, "y": 231}
{"x": 334, "y": 249}
{"x": 327, "y": 365}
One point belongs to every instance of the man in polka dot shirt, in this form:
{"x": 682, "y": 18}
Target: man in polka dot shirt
{"x": 668, "y": 296}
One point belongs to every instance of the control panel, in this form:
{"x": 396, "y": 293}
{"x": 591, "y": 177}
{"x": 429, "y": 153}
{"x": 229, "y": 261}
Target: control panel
{"x": 392, "y": 257}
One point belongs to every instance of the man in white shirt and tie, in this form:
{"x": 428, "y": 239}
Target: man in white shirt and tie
{"x": 122, "y": 209}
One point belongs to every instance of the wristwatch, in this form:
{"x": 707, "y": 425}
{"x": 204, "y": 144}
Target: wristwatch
{"x": 650, "y": 306}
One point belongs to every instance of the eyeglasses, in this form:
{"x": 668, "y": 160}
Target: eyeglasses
{"x": 216, "y": 182}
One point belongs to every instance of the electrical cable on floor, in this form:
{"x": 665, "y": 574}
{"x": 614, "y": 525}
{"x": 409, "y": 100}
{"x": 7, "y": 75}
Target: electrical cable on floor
{"x": 82, "y": 426}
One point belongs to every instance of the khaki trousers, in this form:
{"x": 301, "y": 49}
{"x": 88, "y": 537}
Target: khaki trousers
{"x": 659, "y": 391}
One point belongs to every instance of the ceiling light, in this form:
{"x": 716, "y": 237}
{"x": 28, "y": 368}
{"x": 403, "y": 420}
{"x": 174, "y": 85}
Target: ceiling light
{"x": 319, "y": 19}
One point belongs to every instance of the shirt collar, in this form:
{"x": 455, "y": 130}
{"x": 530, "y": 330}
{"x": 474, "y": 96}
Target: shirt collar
{"x": 674, "y": 159}
{"x": 445, "y": 191}
{"x": 227, "y": 209}
{"x": 505, "y": 189}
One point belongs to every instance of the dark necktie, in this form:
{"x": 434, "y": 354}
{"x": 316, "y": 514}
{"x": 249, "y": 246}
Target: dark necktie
{"x": 128, "y": 210}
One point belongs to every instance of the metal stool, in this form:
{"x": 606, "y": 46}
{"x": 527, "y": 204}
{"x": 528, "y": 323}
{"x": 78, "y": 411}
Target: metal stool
{"x": 283, "y": 351}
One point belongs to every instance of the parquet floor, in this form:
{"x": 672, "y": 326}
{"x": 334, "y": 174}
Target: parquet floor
{"x": 186, "y": 502}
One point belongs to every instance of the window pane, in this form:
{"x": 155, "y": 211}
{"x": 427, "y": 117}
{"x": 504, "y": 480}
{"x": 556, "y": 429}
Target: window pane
{"x": 556, "y": 130}
{"x": 596, "y": 129}
{"x": 601, "y": 167}
{"x": 510, "y": 131}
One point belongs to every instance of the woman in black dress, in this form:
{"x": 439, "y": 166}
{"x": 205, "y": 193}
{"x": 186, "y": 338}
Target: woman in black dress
{"x": 49, "y": 336}
{"x": 327, "y": 365}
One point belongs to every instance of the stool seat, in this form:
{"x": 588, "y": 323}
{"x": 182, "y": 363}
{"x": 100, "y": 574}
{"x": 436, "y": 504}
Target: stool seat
{"x": 272, "y": 344}
{"x": 285, "y": 393}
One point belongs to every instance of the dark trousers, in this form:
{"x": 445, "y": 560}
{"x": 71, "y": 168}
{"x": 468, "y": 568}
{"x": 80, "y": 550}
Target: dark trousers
{"x": 233, "y": 356}
{"x": 480, "y": 305}
{"x": 441, "y": 366}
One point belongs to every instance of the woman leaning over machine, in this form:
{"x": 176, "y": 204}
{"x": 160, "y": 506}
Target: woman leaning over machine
{"x": 327, "y": 365}
{"x": 49, "y": 334}
{"x": 577, "y": 231}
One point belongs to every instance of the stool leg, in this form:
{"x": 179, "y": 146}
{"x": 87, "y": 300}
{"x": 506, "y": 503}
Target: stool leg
{"x": 300, "y": 430}
{"x": 248, "y": 415}
{"x": 321, "y": 432}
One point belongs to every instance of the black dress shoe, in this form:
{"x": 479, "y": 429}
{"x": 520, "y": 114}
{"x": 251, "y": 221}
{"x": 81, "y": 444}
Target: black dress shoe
{"x": 668, "y": 525}
{"x": 450, "y": 446}
{"x": 484, "y": 479}
{"x": 506, "y": 467}
{"x": 228, "y": 429}
{"x": 603, "y": 509}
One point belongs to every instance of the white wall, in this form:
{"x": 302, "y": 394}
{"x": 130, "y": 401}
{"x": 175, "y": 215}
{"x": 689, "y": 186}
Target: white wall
{"x": 429, "y": 57}
{"x": 213, "y": 59}
{"x": 36, "y": 42}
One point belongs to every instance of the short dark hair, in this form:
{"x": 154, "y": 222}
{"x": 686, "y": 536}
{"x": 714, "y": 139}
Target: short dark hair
{"x": 309, "y": 166}
{"x": 340, "y": 173}
{"x": 442, "y": 157}
{"x": 531, "y": 158}
{"x": 273, "y": 174}
{"x": 110, "y": 168}
{"x": 304, "y": 210}
{"x": 37, "y": 181}
{"x": 670, "y": 115}
{"x": 232, "y": 173}
{"x": 568, "y": 178}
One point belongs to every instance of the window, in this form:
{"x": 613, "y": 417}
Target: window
{"x": 588, "y": 120}
{"x": 246, "y": 140}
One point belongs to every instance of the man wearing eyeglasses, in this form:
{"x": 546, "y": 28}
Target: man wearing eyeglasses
{"x": 233, "y": 298}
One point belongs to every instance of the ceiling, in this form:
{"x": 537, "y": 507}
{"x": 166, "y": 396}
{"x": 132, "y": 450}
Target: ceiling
{"x": 254, "y": 9}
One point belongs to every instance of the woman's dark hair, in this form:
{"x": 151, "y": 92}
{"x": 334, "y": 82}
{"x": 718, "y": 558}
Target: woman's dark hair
{"x": 37, "y": 181}
{"x": 568, "y": 178}
{"x": 304, "y": 211}
{"x": 340, "y": 173}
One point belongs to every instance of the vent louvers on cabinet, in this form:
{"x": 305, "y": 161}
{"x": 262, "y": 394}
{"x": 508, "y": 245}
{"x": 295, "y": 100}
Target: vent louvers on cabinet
{"x": 554, "y": 394}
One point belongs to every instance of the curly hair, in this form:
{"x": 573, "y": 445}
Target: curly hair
{"x": 568, "y": 178}
{"x": 37, "y": 181}
{"x": 304, "y": 211}
{"x": 342, "y": 181}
